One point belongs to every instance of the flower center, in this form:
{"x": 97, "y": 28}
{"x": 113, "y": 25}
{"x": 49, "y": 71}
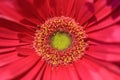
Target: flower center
{"x": 60, "y": 40}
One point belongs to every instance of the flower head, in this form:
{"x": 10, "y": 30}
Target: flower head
{"x": 59, "y": 39}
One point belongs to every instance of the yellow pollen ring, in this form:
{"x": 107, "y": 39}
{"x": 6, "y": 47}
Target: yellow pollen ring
{"x": 60, "y": 40}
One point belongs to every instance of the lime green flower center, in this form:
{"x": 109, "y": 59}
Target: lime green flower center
{"x": 61, "y": 40}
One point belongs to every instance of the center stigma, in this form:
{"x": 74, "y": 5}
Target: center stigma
{"x": 61, "y": 40}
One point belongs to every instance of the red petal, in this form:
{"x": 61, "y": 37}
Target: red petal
{"x": 104, "y": 52}
{"x": 18, "y": 68}
{"x": 5, "y": 42}
{"x": 60, "y": 73}
{"x": 91, "y": 71}
{"x": 43, "y": 8}
{"x": 105, "y": 45}
{"x": 104, "y": 8}
{"x": 8, "y": 57}
{"x": 106, "y": 19}
{"x": 23, "y": 37}
{"x": 15, "y": 26}
{"x": 26, "y": 51}
{"x": 84, "y": 11}
{"x": 7, "y": 34}
{"x": 7, "y": 9}
{"x": 83, "y": 71}
{"x": 73, "y": 73}
{"x": 44, "y": 73}
{"x": 26, "y": 9}
{"x": 19, "y": 12}
{"x": 108, "y": 35}
{"x": 56, "y": 7}
{"x": 5, "y": 50}
{"x": 33, "y": 73}
{"x": 47, "y": 73}
{"x": 107, "y": 65}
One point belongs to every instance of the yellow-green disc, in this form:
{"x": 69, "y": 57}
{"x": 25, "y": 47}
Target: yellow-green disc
{"x": 61, "y": 40}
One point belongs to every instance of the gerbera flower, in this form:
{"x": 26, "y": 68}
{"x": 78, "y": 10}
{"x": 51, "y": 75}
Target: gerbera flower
{"x": 59, "y": 39}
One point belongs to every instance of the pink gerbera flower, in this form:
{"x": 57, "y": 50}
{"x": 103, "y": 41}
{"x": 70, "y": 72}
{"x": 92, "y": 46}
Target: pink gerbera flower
{"x": 59, "y": 39}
